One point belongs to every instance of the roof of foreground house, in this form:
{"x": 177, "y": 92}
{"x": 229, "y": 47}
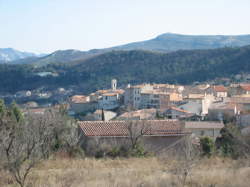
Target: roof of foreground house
{"x": 121, "y": 128}
{"x": 203, "y": 125}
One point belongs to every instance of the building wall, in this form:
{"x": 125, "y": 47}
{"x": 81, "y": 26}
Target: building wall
{"x": 108, "y": 102}
{"x": 83, "y": 107}
{"x": 174, "y": 114}
{"x": 156, "y": 144}
{"x": 243, "y": 120}
{"x": 221, "y": 94}
{"x": 132, "y": 96}
{"x": 213, "y": 133}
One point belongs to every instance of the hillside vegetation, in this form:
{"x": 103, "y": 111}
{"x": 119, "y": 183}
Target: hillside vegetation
{"x": 147, "y": 172}
{"x": 182, "y": 67}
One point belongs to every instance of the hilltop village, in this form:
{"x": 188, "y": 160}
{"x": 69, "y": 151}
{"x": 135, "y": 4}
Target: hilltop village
{"x": 201, "y": 108}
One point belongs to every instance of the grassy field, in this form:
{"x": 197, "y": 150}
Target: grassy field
{"x": 61, "y": 172}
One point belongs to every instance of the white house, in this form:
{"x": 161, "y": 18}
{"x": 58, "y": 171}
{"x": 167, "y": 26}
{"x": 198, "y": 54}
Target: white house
{"x": 132, "y": 97}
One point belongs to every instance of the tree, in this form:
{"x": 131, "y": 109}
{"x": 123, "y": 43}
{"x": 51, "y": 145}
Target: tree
{"x": 24, "y": 143}
{"x": 136, "y": 130}
{"x": 207, "y": 146}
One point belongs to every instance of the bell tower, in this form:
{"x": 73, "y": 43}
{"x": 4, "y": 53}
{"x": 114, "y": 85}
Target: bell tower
{"x": 113, "y": 84}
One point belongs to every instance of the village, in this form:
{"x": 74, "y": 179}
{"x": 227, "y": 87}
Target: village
{"x": 171, "y": 110}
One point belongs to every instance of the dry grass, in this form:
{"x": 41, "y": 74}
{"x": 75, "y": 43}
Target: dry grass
{"x": 134, "y": 172}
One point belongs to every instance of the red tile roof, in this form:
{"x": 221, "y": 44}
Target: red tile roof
{"x": 245, "y": 87}
{"x": 79, "y": 99}
{"x": 178, "y": 109}
{"x": 120, "y": 128}
{"x": 220, "y": 88}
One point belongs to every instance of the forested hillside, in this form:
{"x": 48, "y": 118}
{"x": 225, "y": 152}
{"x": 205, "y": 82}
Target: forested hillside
{"x": 134, "y": 66}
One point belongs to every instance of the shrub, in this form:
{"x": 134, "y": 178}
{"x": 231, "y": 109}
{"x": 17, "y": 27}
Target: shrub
{"x": 207, "y": 146}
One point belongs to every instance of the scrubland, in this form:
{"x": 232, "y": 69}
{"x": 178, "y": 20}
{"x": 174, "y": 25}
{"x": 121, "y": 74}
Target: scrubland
{"x": 152, "y": 171}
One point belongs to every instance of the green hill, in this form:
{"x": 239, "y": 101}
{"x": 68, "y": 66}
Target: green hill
{"x": 135, "y": 66}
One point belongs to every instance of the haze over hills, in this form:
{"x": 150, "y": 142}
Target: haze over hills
{"x": 7, "y": 55}
{"x": 163, "y": 43}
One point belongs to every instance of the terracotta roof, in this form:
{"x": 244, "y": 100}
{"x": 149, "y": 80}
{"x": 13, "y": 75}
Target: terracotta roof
{"x": 245, "y": 87}
{"x": 110, "y": 94}
{"x": 220, "y": 88}
{"x": 196, "y": 96}
{"x": 120, "y": 128}
{"x": 178, "y": 109}
{"x": 79, "y": 99}
{"x": 203, "y": 125}
{"x": 142, "y": 114}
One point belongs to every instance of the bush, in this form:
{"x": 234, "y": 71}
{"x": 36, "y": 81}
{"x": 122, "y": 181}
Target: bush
{"x": 207, "y": 146}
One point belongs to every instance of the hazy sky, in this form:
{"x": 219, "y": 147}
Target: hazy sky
{"x": 49, "y": 25}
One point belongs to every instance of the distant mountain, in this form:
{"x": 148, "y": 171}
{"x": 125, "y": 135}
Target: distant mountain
{"x": 174, "y": 42}
{"x": 163, "y": 43}
{"x": 8, "y": 55}
{"x": 66, "y": 56}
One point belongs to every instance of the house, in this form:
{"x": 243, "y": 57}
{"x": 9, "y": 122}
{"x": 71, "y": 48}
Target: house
{"x": 240, "y": 89}
{"x": 144, "y": 114}
{"x": 98, "y": 115}
{"x": 243, "y": 100}
{"x": 175, "y": 113}
{"x": 108, "y": 99}
{"x": 243, "y": 119}
{"x": 219, "y": 91}
{"x": 222, "y": 110}
{"x": 197, "y": 103}
{"x": 154, "y": 99}
{"x": 204, "y": 128}
{"x": 157, "y": 135}
{"x": 132, "y": 96}
{"x": 81, "y": 104}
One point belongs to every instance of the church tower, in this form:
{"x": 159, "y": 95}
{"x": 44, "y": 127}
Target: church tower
{"x": 113, "y": 84}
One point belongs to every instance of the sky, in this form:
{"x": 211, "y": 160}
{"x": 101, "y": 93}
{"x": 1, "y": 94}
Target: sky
{"x": 43, "y": 26}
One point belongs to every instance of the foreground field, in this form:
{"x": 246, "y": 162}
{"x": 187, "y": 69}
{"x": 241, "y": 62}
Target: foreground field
{"x": 136, "y": 172}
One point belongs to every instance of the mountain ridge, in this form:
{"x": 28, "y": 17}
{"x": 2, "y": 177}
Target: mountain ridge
{"x": 167, "y": 42}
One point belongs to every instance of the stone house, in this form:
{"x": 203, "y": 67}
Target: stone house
{"x": 240, "y": 89}
{"x": 132, "y": 96}
{"x": 175, "y": 113}
{"x": 154, "y": 99}
{"x": 98, "y": 115}
{"x": 81, "y": 104}
{"x": 204, "y": 128}
{"x": 197, "y": 103}
{"x": 156, "y": 135}
{"x": 108, "y": 99}
{"x": 144, "y": 114}
{"x": 219, "y": 91}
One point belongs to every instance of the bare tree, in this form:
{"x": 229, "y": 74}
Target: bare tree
{"x": 22, "y": 150}
{"x": 188, "y": 155}
{"x": 24, "y": 144}
{"x": 136, "y": 130}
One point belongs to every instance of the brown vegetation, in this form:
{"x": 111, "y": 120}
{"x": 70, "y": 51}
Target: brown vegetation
{"x": 63, "y": 172}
